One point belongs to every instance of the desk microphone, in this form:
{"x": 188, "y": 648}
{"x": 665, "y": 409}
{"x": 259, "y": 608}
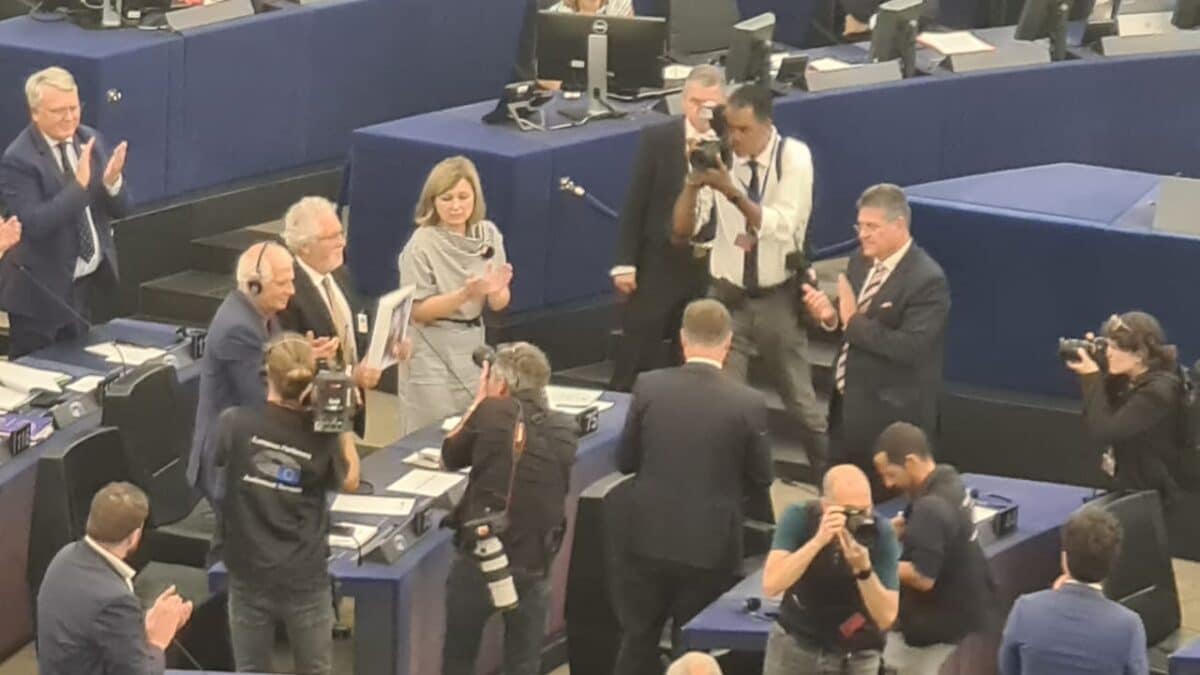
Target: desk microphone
{"x": 565, "y": 184}
{"x": 108, "y": 379}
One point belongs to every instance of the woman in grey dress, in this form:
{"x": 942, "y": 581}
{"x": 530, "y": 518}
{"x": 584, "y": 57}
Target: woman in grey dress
{"x": 456, "y": 260}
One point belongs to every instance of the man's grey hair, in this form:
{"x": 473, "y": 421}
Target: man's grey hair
{"x": 301, "y": 223}
{"x": 706, "y": 77}
{"x": 706, "y": 323}
{"x": 523, "y": 367}
{"x": 56, "y": 77}
{"x": 254, "y": 264}
{"x": 888, "y": 197}
{"x": 695, "y": 663}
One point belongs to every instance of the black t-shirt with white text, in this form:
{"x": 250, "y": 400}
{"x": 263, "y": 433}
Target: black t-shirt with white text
{"x": 275, "y": 524}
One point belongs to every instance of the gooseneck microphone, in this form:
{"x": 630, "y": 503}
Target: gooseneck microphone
{"x": 569, "y": 186}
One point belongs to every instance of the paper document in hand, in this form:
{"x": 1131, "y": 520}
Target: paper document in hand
{"x": 827, "y": 64}
{"x": 571, "y": 397}
{"x": 956, "y": 42}
{"x": 26, "y": 379}
{"x": 426, "y": 483}
{"x": 372, "y": 506}
{"x": 126, "y": 354}
{"x": 391, "y": 327}
{"x": 351, "y": 535}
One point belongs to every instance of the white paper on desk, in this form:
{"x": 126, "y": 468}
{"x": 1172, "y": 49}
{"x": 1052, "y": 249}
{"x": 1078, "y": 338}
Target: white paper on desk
{"x": 367, "y": 505}
{"x": 426, "y": 458}
{"x": 571, "y": 397}
{"x": 426, "y": 483}
{"x": 391, "y": 327}
{"x": 954, "y": 42}
{"x": 125, "y": 354}
{"x": 600, "y": 406}
{"x": 362, "y": 534}
{"x": 450, "y": 422}
{"x": 12, "y": 399}
{"x": 26, "y": 379}
{"x": 828, "y": 64}
{"x": 86, "y": 384}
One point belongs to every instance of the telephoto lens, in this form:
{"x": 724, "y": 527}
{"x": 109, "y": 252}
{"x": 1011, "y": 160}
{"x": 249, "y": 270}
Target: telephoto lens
{"x": 489, "y": 551}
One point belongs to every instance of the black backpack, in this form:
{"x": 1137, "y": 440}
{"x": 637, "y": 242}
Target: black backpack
{"x": 1186, "y": 467}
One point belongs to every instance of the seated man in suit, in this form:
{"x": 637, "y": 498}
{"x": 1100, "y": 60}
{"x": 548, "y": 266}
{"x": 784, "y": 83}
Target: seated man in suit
{"x": 325, "y": 304}
{"x": 658, "y": 278}
{"x": 231, "y": 369}
{"x": 1073, "y": 629}
{"x": 697, "y": 440}
{"x": 59, "y": 178}
{"x": 89, "y": 622}
{"x": 892, "y": 308}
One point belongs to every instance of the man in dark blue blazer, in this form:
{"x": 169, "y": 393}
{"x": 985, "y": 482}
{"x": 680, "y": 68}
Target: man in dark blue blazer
{"x": 1073, "y": 629}
{"x": 66, "y": 188}
{"x": 89, "y": 622}
{"x": 231, "y": 370}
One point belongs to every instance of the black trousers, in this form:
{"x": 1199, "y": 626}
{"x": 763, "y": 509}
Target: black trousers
{"x": 652, "y": 317}
{"x": 652, "y": 591}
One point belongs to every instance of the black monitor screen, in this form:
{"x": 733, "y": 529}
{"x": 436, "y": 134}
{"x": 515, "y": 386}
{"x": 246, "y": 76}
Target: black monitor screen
{"x": 637, "y": 48}
{"x": 895, "y": 26}
{"x": 749, "y": 45}
{"x": 701, "y": 26}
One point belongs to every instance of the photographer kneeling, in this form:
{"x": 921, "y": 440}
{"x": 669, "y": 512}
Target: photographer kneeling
{"x": 836, "y": 565}
{"x": 275, "y": 523}
{"x": 520, "y": 454}
{"x": 1132, "y": 406}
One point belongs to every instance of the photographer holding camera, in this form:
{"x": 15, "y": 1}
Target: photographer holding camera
{"x": 510, "y": 523}
{"x": 1131, "y": 405}
{"x": 275, "y": 522}
{"x": 749, "y": 196}
{"x": 836, "y": 566}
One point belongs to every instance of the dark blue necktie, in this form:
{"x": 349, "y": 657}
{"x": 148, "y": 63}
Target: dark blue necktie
{"x": 750, "y": 261}
{"x": 83, "y": 229}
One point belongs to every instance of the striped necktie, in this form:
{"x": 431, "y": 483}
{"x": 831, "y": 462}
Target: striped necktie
{"x": 874, "y": 281}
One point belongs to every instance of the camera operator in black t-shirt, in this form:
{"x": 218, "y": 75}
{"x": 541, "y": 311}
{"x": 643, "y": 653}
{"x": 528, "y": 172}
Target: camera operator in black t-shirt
{"x": 945, "y": 586}
{"x": 275, "y": 522}
{"x": 510, "y": 523}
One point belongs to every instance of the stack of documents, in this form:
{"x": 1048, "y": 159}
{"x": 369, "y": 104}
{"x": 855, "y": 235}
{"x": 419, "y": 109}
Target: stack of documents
{"x": 426, "y": 483}
{"x": 366, "y": 505}
{"x": 125, "y": 354}
{"x": 20, "y": 384}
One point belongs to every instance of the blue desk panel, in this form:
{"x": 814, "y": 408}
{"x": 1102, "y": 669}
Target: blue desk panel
{"x": 1022, "y": 562}
{"x": 1047, "y": 252}
{"x": 400, "y": 609}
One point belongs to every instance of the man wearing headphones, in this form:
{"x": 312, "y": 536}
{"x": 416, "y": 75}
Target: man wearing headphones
{"x": 230, "y": 371}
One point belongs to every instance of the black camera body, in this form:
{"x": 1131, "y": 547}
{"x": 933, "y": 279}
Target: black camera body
{"x": 712, "y": 154}
{"x": 861, "y": 525}
{"x": 1068, "y": 350}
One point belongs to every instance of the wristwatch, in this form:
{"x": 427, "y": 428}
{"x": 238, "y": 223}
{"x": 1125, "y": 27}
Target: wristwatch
{"x": 864, "y": 575}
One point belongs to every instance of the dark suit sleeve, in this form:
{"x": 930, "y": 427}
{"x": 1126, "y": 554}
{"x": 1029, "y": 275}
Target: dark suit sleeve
{"x": 758, "y": 472}
{"x": 921, "y": 326}
{"x": 1107, "y": 424}
{"x": 457, "y": 450}
{"x": 1009, "y": 659}
{"x": 20, "y": 189}
{"x": 633, "y": 215}
{"x": 241, "y": 354}
{"x": 629, "y": 452}
{"x": 120, "y": 631}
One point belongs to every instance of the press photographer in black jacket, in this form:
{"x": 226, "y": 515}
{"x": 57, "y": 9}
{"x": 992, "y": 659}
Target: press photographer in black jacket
{"x": 520, "y": 454}
{"x": 1132, "y": 407}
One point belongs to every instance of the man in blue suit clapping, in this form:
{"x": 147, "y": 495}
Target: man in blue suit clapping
{"x": 1072, "y": 628}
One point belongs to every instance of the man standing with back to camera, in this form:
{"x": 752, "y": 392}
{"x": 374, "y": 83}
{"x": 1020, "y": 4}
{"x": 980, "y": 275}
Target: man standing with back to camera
{"x": 697, "y": 440}
{"x": 66, "y": 187}
{"x": 656, "y": 277}
{"x": 754, "y": 213}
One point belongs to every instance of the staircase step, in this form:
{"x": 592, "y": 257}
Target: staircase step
{"x": 189, "y": 297}
{"x": 218, "y": 253}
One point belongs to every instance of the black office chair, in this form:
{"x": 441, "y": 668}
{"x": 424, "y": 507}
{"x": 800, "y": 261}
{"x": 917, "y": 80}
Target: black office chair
{"x": 1143, "y": 579}
{"x": 148, "y": 408}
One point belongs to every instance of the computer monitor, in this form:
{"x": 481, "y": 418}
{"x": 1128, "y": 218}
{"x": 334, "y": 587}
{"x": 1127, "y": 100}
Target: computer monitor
{"x": 749, "y": 58}
{"x": 895, "y": 34}
{"x": 637, "y": 48}
{"x": 700, "y": 28}
{"x": 1045, "y": 19}
{"x": 1186, "y": 15}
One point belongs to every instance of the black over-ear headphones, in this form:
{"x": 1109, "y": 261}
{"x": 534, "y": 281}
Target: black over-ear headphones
{"x": 254, "y": 283}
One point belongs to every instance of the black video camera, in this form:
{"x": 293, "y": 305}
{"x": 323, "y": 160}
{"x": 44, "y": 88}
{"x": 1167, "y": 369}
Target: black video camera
{"x": 712, "y": 154}
{"x": 333, "y": 400}
{"x": 1068, "y": 350}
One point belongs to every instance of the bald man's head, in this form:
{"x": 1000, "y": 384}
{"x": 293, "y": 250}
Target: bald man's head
{"x": 847, "y": 485}
{"x": 694, "y": 663}
{"x": 265, "y": 273}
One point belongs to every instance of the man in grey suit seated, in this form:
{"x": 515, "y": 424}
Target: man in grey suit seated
{"x": 89, "y": 621}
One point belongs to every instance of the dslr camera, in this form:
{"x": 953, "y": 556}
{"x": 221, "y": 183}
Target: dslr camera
{"x": 711, "y": 154}
{"x": 1068, "y": 350}
{"x": 333, "y": 400}
{"x": 861, "y": 525}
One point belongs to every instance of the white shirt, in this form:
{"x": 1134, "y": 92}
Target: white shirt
{"x": 707, "y": 362}
{"x": 1095, "y": 587}
{"x": 689, "y": 134}
{"x": 786, "y": 205}
{"x": 117, "y": 564}
{"x": 318, "y": 280}
{"x": 82, "y": 267}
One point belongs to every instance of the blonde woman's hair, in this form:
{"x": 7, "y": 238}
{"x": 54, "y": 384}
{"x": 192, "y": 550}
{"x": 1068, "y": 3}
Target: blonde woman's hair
{"x": 290, "y": 365}
{"x": 444, "y": 176}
